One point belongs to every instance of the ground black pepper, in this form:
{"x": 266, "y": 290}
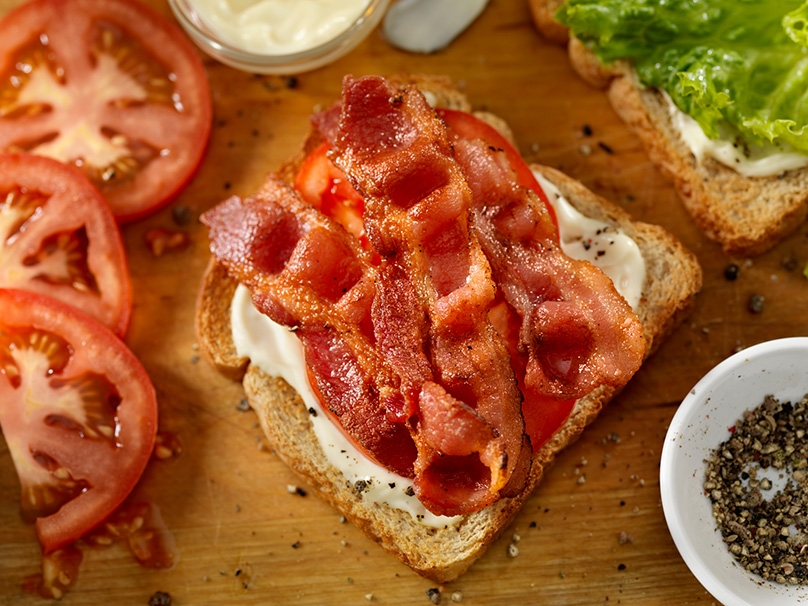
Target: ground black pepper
{"x": 756, "y": 303}
{"x": 731, "y": 272}
{"x": 160, "y": 598}
{"x": 605, "y": 147}
{"x": 768, "y": 537}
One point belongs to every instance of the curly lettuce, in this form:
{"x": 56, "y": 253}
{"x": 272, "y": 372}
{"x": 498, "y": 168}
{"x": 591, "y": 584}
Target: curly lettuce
{"x": 738, "y": 67}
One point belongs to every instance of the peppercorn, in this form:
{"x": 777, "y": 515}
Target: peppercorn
{"x": 755, "y": 304}
{"x": 160, "y": 598}
{"x": 731, "y": 272}
{"x": 756, "y": 525}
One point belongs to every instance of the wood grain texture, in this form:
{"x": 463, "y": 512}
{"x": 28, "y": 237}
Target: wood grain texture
{"x": 593, "y": 532}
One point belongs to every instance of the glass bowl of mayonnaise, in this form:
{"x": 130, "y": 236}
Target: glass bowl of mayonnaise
{"x": 278, "y": 36}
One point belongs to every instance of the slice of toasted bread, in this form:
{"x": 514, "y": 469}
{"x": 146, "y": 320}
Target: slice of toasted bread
{"x": 746, "y": 215}
{"x": 673, "y": 278}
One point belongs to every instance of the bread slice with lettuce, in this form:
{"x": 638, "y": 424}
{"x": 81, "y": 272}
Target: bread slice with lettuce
{"x": 718, "y": 70}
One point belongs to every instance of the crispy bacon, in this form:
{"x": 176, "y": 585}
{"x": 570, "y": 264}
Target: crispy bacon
{"x": 399, "y": 339}
{"x": 467, "y": 426}
{"x": 306, "y": 272}
{"x": 577, "y": 331}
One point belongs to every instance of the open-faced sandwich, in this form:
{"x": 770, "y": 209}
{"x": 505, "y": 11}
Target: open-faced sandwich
{"x": 715, "y": 90}
{"x": 413, "y": 316}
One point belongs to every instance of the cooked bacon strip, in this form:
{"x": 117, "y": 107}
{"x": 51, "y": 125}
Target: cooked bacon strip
{"x": 307, "y": 273}
{"x": 577, "y": 331}
{"x": 468, "y": 427}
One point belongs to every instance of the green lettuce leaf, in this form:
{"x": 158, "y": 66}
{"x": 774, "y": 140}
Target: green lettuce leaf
{"x": 738, "y": 67}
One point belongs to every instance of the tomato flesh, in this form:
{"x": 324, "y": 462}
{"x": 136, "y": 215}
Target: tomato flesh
{"x": 58, "y": 237}
{"x": 326, "y": 187}
{"x": 78, "y": 412}
{"x": 109, "y": 86}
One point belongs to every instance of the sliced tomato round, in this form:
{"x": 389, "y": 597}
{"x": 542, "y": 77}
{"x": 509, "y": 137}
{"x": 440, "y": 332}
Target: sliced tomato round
{"x": 78, "y": 412}
{"x": 110, "y": 86}
{"x": 58, "y": 237}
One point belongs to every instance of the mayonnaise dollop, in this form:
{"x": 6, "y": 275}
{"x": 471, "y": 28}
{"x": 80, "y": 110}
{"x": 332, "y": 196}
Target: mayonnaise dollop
{"x": 751, "y": 161}
{"x": 607, "y": 247}
{"x": 278, "y": 27}
{"x": 278, "y": 352}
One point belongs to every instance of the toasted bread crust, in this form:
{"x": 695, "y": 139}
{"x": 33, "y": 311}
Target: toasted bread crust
{"x": 441, "y": 554}
{"x": 745, "y": 215}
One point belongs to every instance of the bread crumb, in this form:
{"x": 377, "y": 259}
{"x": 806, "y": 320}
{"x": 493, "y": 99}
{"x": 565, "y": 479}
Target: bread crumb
{"x": 513, "y": 550}
{"x": 457, "y": 597}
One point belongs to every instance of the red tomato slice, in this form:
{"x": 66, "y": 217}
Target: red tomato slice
{"x": 58, "y": 237}
{"x": 470, "y": 127}
{"x": 326, "y": 187}
{"x": 78, "y": 413}
{"x": 110, "y": 86}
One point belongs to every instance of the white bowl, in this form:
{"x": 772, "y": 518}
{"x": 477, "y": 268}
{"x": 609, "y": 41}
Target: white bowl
{"x": 292, "y": 63}
{"x": 737, "y": 384}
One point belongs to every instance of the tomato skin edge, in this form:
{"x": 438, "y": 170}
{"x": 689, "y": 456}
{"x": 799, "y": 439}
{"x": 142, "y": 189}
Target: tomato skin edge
{"x": 31, "y": 172}
{"x": 206, "y": 122}
{"x": 58, "y": 530}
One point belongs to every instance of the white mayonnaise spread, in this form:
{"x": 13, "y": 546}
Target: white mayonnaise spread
{"x": 749, "y": 161}
{"x": 278, "y": 27}
{"x": 278, "y": 352}
{"x": 617, "y": 255}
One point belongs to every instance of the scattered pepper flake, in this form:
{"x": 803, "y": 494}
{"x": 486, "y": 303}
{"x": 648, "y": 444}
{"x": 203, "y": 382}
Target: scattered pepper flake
{"x": 731, "y": 272}
{"x": 433, "y": 593}
{"x": 160, "y": 598}
{"x": 605, "y": 147}
{"x": 181, "y": 214}
{"x": 755, "y": 304}
{"x": 293, "y": 489}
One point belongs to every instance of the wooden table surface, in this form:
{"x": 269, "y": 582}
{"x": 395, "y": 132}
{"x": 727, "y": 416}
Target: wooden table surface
{"x": 593, "y": 532}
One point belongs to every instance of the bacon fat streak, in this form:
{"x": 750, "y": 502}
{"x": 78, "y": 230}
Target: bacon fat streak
{"x": 398, "y": 338}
